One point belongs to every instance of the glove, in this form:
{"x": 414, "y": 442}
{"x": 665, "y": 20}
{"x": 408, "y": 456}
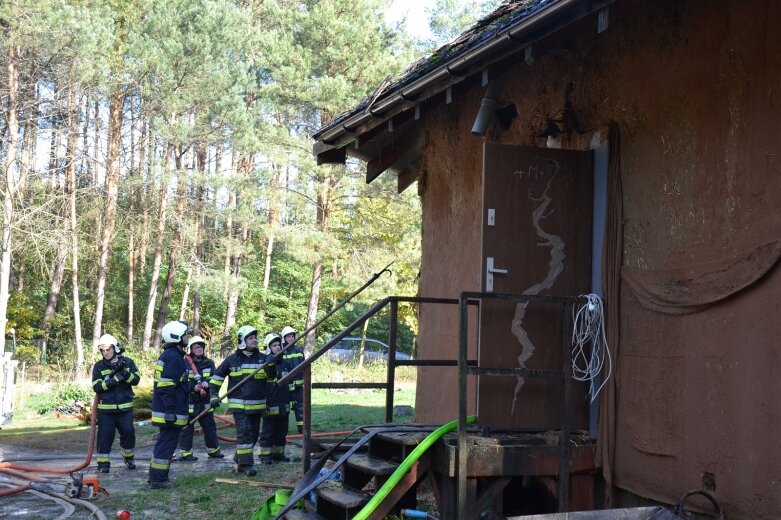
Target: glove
{"x": 110, "y": 381}
{"x": 271, "y": 371}
{"x": 214, "y": 402}
{"x": 120, "y": 376}
{"x": 170, "y": 419}
{"x": 200, "y": 389}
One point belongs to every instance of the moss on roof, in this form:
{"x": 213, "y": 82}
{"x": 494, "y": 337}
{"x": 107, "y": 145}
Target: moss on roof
{"x": 502, "y": 18}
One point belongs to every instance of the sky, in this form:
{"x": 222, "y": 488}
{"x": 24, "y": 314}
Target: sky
{"x": 415, "y": 12}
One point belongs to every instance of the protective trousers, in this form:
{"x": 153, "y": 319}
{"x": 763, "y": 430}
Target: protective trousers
{"x": 247, "y": 430}
{"x": 167, "y": 440}
{"x": 208, "y": 427}
{"x": 297, "y": 407}
{"x": 108, "y": 424}
{"x": 273, "y": 436}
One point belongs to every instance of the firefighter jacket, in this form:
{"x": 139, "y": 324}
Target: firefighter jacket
{"x": 204, "y": 369}
{"x": 250, "y": 397}
{"x": 295, "y": 356}
{"x": 278, "y": 400}
{"x": 114, "y": 381}
{"x": 170, "y": 388}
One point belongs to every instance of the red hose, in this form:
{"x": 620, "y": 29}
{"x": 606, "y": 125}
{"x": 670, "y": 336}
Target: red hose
{"x": 60, "y": 471}
{"x": 12, "y": 491}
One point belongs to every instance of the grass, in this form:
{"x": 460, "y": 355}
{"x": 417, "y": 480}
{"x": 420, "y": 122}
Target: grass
{"x": 200, "y": 496}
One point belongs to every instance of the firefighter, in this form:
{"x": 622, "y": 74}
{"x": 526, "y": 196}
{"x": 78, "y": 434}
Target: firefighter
{"x": 113, "y": 378}
{"x": 295, "y": 356}
{"x": 248, "y": 402}
{"x": 273, "y": 435}
{"x": 169, "y": 401}
{"x": 199, "y": 370}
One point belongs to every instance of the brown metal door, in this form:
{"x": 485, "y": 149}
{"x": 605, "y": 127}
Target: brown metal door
{"x": 537, "y": 213}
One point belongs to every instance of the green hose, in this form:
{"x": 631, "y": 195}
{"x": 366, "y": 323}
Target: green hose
{"x": 405, "y": 466}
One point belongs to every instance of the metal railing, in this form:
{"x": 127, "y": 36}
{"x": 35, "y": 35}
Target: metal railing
{"x": 393, "y": 303}
{"x": 466, "y": 368}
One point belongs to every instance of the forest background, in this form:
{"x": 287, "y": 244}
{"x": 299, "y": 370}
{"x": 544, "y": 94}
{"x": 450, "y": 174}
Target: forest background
{"x": 156, "y": 165}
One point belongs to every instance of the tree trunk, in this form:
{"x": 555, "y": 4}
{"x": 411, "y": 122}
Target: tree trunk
{"x": 311, "y": 312}
{"x": 146, "y": 197}
{"x": 133, "y": 187}
{"x": 174, "y": 250}
{"x": 96, "y": 145}
{"x": 185, "y": 295}
{"x": 70, "y": 187}
{"x": 324, "y": 195}
{"x": 158, "y": 258}
{"x": 9, "y": 190}
{"x": 112, "y": 188}
{"x": 202, "y": 158}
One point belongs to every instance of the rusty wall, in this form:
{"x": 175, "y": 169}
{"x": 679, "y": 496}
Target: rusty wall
{"x": 694, "y": 88}
{"x": 449, "y": 186}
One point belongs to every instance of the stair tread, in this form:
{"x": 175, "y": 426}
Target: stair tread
{"x": 301, "y": 514}
{"x": 371, "y": 465}
{"x": 345, "y": 497}
{"x": 342, "y": 447}
{"x": 403, "y": 438}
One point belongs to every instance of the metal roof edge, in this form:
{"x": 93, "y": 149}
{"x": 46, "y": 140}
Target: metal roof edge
{"x": 507, "y": 37}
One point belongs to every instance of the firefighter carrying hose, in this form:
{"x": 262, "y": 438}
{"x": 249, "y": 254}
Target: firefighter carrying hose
{"x": 295, "y": 356}
{"x": 247, "y": 402}
{"x": 113, "y": 379}
{"x": 199, "y": 370}
{"x": 273, "y": 435}
{"x": 169, "y": 401}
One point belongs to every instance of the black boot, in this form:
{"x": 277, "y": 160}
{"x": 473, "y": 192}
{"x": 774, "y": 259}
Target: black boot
{"x": 280, "y": 457}
{"x": 247, "y": 470}
{"x": 266, "y": 459}
{"x": 103, "y": 467}
{"x": 130, "y": 463}
{"x": 217, "y": 455}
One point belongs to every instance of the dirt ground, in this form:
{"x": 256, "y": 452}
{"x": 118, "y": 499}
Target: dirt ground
{"x": 128, "y": 489}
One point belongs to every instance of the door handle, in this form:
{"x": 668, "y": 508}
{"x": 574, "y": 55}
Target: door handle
{"x": 490, "y": 270}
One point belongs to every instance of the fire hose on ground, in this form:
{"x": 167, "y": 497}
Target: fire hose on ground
{"x": 28, "y": 473}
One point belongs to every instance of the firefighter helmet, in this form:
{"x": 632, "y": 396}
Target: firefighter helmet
{"x": 271, "y": 338}
{"x": 244, "y": 333}
{"x": 287, "y": 330}
{"x": 108, "y": 339}
{"x": 174, "y": 331}
{"x": 193, "y": 341}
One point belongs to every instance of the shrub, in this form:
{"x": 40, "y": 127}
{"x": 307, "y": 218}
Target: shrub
{"x": 68, "y": 398}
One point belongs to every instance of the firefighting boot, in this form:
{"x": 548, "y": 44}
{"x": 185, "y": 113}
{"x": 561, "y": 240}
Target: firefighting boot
{"x": 130, "y": 463}
{"x": 103, "y": 467}
{"x": 266, "y": 459}
{"x": 280, "y": 457}
{"x": 247, "y": 470}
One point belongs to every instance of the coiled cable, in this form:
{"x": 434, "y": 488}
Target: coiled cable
{"x": 590, "y": 352}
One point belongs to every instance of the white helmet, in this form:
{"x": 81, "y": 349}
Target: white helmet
{"x": 243, "y": 333}
{"x": 108, "y": 339}
{"x": 193, "y": 341}
{"x": 271, "y": 338}
{"x": 174, "y": 331}
{"x": 287, "y": 330}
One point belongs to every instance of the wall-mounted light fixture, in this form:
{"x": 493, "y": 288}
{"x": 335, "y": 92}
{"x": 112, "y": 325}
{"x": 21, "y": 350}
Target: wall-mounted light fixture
{"x": 552, "y": 132}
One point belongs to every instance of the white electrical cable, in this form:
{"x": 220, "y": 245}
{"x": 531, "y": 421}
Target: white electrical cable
{"x": 589, "y": 344}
